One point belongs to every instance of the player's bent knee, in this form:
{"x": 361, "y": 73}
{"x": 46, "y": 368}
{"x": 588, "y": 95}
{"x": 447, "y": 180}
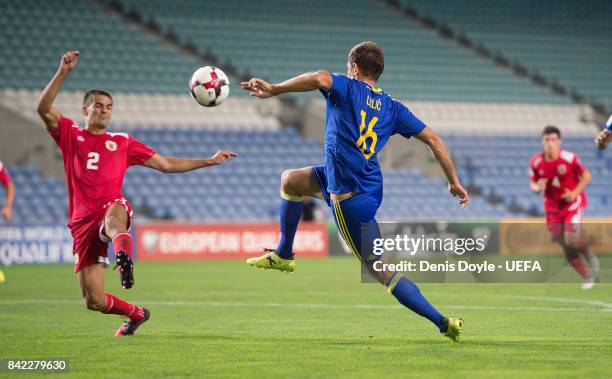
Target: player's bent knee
{"x": 286, "y": 180}
{"x": 289, "y": 180}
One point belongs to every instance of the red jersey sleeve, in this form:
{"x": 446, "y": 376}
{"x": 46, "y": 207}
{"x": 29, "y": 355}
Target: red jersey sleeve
{"x": 4, "y": 175}
{"x": 577, "y": 166}
{"x": 62, "y": 135}
{"x": 138, "y": 152}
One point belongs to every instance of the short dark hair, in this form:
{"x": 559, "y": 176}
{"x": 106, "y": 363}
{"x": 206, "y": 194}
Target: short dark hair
{"x": 550, "y": 130}
{"x": 369, "y": 57}
{"x": 88, "y": 98}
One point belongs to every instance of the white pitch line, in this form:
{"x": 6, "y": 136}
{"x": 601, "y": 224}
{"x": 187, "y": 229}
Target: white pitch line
{"x": 606, "y": 306}
{"x": 318, "y": 306}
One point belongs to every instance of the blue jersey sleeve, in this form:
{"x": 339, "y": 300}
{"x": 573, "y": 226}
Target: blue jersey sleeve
{"x": 608, "y": 124}
{"x": 339, "y": 90}
{"x": 406, "y": 123}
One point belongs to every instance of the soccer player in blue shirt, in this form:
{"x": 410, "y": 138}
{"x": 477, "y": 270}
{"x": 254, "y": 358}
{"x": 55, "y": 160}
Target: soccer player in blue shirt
{"x": 604, "y": 137}
{"x": 359, "y": 121}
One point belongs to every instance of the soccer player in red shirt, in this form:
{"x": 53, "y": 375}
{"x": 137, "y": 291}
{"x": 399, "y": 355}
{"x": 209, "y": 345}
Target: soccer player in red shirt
{"x": 562, "y": 177}
{"x": 95, "y": 162}
{"x": 7, "y": 209}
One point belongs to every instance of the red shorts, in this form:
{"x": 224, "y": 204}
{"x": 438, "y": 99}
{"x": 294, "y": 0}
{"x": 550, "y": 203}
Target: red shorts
{"x": 564, "y": 222}
{"x": 90, "y": 244}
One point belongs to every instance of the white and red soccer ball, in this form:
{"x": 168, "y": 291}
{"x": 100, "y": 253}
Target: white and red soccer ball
{"x": 209, "y": 86}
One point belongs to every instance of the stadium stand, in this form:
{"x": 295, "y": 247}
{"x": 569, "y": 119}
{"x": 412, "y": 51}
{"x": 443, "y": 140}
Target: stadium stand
{"x": 115, "y": 55}
{"x": 547, "y": 36}
{"x": 419, "y": 64}
{"x": 40, "y": 199}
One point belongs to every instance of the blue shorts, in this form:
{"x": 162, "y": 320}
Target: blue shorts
{"x": 354, "y": 217}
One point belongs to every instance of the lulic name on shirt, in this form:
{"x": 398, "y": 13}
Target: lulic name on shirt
{"x": 373, "y": 104}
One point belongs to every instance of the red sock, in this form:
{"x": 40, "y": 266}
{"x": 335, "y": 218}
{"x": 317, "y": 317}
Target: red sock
{"x": 123, "y": 241}
{"x": 117, "y": 306}
{"x": 577, "y": 264}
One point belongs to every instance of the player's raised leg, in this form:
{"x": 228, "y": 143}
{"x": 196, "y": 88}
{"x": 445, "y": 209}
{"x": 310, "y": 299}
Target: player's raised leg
{"x": 355, "y": 220}
{"x": 115, "y": 229}
{"x": 91, "y": 280}
{"x": 295, "y": 184}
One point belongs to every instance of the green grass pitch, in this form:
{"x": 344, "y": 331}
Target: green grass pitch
{"x": 225, "y": 319}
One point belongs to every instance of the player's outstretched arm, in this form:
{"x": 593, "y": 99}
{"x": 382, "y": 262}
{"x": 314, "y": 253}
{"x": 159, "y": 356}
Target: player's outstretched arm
{"x": 306, "y": 82}
{"x": 50, "y": 114}
{"x": 439, "y": 150}
{"x": 177, "y": 165}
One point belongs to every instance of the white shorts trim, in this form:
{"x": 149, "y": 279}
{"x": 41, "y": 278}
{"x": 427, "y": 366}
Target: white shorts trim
{"x": 104, "y": 260}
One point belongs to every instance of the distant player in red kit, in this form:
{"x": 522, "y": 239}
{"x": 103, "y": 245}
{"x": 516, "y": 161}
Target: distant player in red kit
{"x": 562, "y": 177}
{"x": 95, "y": 162}
{"x": 7, "y": 209}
